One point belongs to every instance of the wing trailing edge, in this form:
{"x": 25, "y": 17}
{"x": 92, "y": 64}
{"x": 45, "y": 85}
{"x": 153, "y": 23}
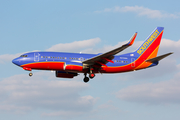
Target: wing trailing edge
{"x": 110, "y": 55}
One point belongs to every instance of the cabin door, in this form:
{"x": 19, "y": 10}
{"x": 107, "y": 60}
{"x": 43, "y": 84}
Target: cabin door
{"x": 132, "y": 62}
{"x": 36, "y": 57}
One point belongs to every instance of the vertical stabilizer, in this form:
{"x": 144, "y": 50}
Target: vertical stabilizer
{"x": 151, "y": 45}
{"x": 149, "y": 48}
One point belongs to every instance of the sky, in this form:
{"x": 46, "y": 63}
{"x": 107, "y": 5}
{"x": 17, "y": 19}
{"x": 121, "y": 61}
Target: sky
{"x": 95, "y": 26}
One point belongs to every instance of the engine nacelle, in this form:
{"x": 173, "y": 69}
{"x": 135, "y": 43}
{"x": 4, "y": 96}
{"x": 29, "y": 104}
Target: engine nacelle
{"x": 63, "y": 74}
{"x": 73, "y": 66}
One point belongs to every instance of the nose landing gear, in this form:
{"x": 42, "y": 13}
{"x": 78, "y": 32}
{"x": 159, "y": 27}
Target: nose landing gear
{"x": 30, "y": 74}
{"x": 28, "y": 69}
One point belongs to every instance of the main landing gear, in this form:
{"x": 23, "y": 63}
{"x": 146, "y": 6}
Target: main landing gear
{"x": 91, "y": 75}
{"x": 86, "y": 79}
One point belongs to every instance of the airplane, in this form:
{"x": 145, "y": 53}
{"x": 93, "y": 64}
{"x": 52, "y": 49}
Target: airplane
{"x": 69, "y": 65}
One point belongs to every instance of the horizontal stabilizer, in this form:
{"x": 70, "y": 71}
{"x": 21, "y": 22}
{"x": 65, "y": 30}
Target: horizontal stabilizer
{"x": 156, "y": 59}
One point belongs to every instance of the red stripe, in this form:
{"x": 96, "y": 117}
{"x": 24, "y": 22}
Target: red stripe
{"x": 45, "y": 65}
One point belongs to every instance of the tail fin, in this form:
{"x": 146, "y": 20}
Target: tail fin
{"x": 149, "y": 48}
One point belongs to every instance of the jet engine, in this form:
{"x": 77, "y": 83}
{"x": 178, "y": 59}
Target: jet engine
{"x": 63, "y": 74}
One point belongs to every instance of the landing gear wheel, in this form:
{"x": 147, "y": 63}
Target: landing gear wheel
{"x": 91, "y": 75}
{"x": 30, "y": 74}
{"x": 86, "y": 79}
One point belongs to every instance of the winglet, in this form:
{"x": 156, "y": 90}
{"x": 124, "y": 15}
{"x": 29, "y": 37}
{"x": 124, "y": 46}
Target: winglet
{"x": 132, "y": 39}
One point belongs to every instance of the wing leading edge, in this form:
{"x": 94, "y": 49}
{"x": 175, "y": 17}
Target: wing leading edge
{"x": 108, "y": 56}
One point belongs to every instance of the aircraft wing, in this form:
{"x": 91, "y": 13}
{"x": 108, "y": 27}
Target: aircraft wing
{"x": 108, "y": 56}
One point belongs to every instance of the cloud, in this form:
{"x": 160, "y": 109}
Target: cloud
{"x": 165, "y": 67}
{"x": 21, "y": 94}
{"x": 76, "y": 46}
{"x": 168, "y": 45}
{"x": 165, "y": 92}
{"x": 140, "y": 11}
{"x": 85, "y": 101}
{"x": 108, "y": 106}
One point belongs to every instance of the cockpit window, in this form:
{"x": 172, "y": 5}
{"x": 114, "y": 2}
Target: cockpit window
{"x": 23, "y": 56}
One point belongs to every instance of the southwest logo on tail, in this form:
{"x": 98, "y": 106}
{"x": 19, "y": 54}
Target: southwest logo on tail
{"x": 69, "y": 65}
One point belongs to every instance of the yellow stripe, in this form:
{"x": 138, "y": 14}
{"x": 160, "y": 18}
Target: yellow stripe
{"x": 150, "y": 45}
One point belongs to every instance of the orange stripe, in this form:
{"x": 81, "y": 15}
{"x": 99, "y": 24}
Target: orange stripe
{"x": 147, "y": 64}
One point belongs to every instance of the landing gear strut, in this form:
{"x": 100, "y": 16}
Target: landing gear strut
{"x": 86, "y": 79}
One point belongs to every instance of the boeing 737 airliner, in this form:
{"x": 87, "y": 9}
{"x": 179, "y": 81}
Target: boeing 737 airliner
{"x": 68, "y": 65}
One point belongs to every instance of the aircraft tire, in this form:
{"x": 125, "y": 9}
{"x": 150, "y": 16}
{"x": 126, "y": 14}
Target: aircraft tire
{"x": 30, "y": 74}
{"x": 91, "y": 75}
{"x": 86, "y": 79}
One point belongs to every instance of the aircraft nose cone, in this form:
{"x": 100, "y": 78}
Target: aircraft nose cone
{"x": 15, "y": 61}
